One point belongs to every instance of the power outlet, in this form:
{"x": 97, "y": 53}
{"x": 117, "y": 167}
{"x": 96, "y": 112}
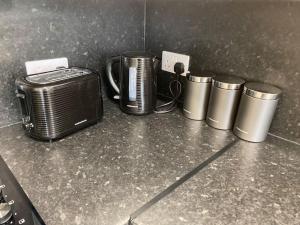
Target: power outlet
{"x": 169, "y": 59}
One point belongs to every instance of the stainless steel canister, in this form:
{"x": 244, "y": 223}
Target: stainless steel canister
{"x": 256, "y": 111}
{"x": 196, "y": 96}
{"x": 223, "y": 103}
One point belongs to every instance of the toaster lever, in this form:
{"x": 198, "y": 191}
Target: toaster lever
{"x": 20, "y": 95}
{"x": 25, "y": 119}
{"x": 28, "y": 126}
{"x": 26, "y": 123}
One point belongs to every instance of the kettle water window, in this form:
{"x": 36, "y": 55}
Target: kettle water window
{"x": 132, "y": 83}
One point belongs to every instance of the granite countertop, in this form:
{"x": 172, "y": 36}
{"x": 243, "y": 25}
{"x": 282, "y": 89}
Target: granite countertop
{"x": 250, "y": 184}
{"x": 102, "y": 174}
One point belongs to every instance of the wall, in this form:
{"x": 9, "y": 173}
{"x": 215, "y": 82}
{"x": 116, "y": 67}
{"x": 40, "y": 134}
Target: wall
{"x": 257, "y": 40}
{"x": 85, "y": 31}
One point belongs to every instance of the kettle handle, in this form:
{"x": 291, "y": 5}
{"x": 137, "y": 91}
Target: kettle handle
{"x": 109, "y": 64}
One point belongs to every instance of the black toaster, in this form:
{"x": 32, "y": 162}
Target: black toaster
{"x": 57, "y": 103}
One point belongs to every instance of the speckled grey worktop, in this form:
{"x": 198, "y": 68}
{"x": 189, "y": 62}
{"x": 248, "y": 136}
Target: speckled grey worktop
{"x": 251, "y": 184}
{"x": 102, "y": 174}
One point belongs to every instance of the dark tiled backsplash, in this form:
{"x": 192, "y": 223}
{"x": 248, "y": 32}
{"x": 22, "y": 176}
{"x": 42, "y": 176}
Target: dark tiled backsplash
{"x": 85, "y": 31}
{"x": 257, "y": 40}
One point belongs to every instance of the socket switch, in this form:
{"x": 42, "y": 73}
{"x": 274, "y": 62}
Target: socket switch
{"x": 169, "y": 59}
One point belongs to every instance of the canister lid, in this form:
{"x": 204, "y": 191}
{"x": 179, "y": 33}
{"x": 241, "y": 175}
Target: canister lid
{"x": 262, "y": 91}
{"x": 228, "y": 82}
{"x": 200, "y": 78}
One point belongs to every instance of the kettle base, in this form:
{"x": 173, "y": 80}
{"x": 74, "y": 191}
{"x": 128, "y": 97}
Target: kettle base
{"x": 136, "y": 112}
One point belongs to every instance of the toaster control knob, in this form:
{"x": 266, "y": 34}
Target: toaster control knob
{"x": 29, "y": 125}
{"x": 5, "y": 212}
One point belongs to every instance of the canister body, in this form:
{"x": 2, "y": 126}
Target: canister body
{"x": 254, "y": 118}
{"x": 196, "y": 99}
{"x": 222, "y": 109}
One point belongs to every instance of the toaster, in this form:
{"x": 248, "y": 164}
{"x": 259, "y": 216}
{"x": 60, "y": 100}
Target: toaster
{"x": 57, "y": 103}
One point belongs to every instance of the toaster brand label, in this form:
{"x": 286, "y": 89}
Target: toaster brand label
{"x": 80, "y": 122}
{"x": 132, "y": 83}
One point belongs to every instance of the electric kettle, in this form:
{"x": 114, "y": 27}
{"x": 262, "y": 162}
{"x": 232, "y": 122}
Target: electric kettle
{"x": 137, "y": 81}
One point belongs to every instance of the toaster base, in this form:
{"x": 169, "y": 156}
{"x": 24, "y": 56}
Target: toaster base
{"x": 64, "y": 134}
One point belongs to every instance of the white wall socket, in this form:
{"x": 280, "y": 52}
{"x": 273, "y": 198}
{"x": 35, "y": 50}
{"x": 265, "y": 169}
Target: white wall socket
{"x": 169, "y": 59}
